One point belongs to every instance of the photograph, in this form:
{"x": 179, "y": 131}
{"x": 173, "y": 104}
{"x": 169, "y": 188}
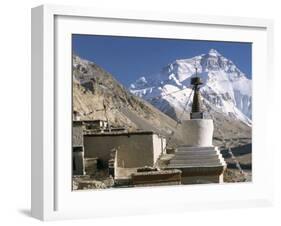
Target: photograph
{"x": 153, "y": 113}
{"x": 150, "y": 111}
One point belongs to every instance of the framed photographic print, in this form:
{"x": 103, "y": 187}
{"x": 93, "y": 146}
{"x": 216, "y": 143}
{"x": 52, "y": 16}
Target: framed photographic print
{"x": 137, "y": 112}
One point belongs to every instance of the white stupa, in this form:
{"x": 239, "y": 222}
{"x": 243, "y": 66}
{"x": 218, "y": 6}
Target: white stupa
{"x": 198, "y": 159}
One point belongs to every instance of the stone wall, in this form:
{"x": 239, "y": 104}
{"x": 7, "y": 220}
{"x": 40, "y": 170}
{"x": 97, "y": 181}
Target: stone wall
{"x": 78, "y": 163}
{"x": 77, "y": 134}
{"x": 159, "y": 146}
{"x": 152, "y": 178}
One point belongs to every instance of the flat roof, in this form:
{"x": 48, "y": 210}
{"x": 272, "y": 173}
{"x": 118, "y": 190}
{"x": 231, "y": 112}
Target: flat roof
{"x": 121, "y": 133}
{"x": 94, "y": 120}
{"x": 89, "y": 120}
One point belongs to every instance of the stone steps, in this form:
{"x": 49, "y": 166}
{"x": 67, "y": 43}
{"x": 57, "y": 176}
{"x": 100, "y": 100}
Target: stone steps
{"x": 188, "y": 157}
{"x": 197, "y": 153}
{"x": 201, "y": 149}
{"x": 205, "y": 165}
{"x": 196, "y": 156}
{"x": 195, "y": 161}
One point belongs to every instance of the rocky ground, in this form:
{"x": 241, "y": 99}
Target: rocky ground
{"x": 234, "y": 175}
{"x": 91, "y": 183}
{"x": 100, "y": 180}
{"x": 243, "y": 155}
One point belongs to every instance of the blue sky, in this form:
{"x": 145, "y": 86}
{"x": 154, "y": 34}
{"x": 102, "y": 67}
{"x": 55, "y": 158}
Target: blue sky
{"x": 128, "y": 58}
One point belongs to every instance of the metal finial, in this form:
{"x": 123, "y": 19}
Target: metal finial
{"x": 196, "y": 112}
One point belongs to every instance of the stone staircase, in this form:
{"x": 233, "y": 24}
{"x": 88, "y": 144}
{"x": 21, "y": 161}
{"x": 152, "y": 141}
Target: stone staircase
{"x": 198, "y": 164}
{"x": 186, "y": 157}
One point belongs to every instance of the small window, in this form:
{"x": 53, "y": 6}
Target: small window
{"x": 77, "y": 149}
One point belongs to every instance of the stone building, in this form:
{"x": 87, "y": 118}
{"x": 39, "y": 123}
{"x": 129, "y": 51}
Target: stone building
{"x": 77, "y": 148}
{"x": 98, "y": 125}
{"x": 135, "y": 149}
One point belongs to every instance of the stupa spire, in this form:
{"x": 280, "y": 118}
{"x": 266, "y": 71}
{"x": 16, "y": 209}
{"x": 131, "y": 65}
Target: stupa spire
{"x": 196, "y": 111}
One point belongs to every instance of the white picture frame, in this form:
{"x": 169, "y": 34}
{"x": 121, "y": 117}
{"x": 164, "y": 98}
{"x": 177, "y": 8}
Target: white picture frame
{"x": 52, "y": 197}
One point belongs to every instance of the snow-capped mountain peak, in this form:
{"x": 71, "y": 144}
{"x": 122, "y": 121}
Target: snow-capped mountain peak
{"x": 213, "y": 52}
{"x": 226, "y": 89}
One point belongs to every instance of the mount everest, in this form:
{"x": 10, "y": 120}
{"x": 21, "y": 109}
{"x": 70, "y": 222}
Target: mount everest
{"x": 226, "y": 90}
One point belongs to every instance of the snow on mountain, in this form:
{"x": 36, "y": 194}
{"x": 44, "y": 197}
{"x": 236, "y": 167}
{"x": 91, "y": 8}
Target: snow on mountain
{"x": 226, "y": 89}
